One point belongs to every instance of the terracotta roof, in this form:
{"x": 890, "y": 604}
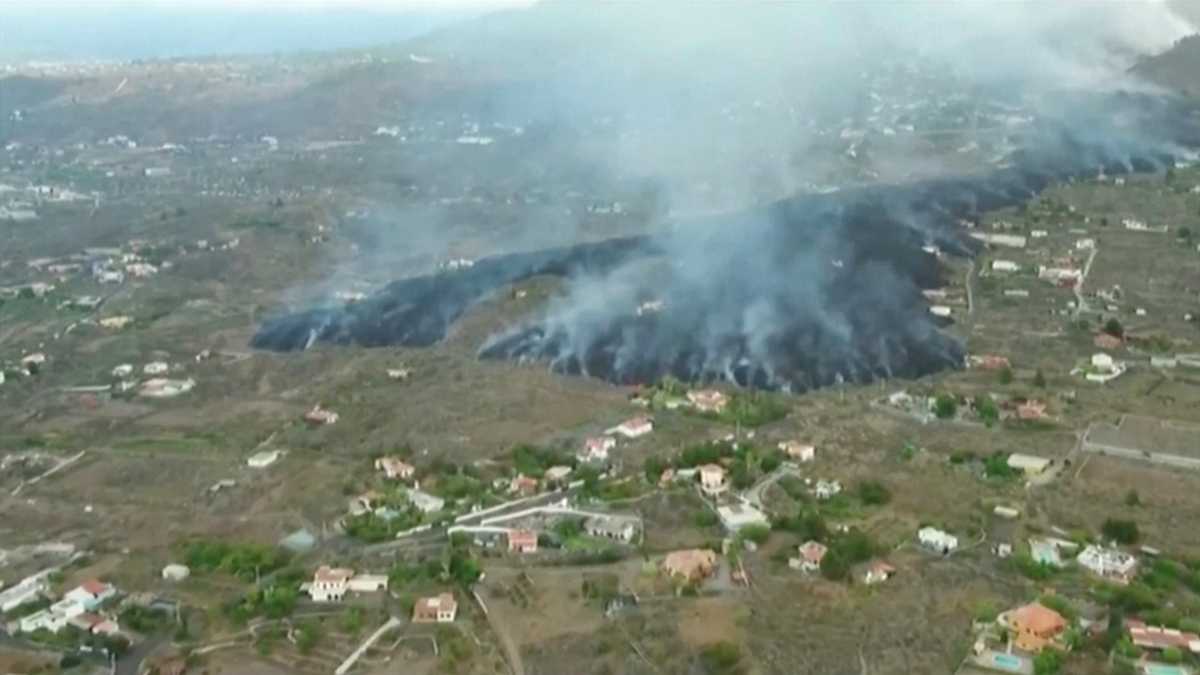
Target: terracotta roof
{"x": 522, "y": 537}
{"x": 813, "y": 551}
{"x": 329, "y": 574}
{"x": 1040, "y": 619}
{"x": 94, "y": 586}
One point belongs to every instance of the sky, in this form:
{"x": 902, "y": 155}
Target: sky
{"x": 131, "y": 29}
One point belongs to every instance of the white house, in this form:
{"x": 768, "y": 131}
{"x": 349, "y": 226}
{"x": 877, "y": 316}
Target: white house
{"x": 937, "y": 540}
{"x": 1085, "y": 244}
{"x": 1110, "y": 563}
{"x": 395, "y": 468}
{"x": 827, "y": 489}
{"x": 91, "y": 593}
{"x": 425, "y": 502}
{"x": 176, "y": 572}
{"x": 28, "y": 590}
{"x": 1102, "y": 362}
{"x": 1005, "y": 266}
{"x": 712, "y": 479}
{"x": 736, "y": 516}
{"x": 330, "y": 584}
{"x": 45, "y": 619}
{"x": 634, "y": 428}
{"x": 811, "y": 553}
{"x": 367, "y": 583}
{"x": 1030, "y": 465}
{"x": 595, "y": 449}
{"x": 940, "y": 310}
{"x": 155, "y": 368}
{"x": 612, "y": 527}
{"x": 261, "y": 460}
{"x": 437, "y": 609}
{"x": 123, "y": 370}
{"x": 801, "y": 452}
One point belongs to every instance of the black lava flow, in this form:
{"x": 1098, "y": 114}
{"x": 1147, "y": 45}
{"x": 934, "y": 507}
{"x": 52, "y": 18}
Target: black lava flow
{"x": 807, "y": 292}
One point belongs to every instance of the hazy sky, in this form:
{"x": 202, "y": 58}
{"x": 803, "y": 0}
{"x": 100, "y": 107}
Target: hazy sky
{"x": 125, "y": 29}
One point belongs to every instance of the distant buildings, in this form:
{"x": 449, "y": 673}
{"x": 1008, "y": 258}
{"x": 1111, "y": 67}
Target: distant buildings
{"x": 261, "y": 460}
{"x": 708, "y": 400}
{"x": 797, "y": 451}
{"x": 330, "y": 584}
{"x": 596, "y": 448}
{"x": 1005, "y": 266}
{"x": 319, "y": 416}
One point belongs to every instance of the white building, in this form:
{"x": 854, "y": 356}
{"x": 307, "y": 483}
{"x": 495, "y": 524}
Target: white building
{"x": 800, "y": 452}
{"x": 261, "y": 460}
{"x": 1005, "y": 266}
{"x": 174, "y": 572}
{"x": 155, "y": 368}
{"x": 736, "y": 516}
{"x": 827, "y": 489}
{"x": 634, "y": 428}
{"x": 395, "y": 468}
{"x": 330, "y": 584}
{"x": 941, "y": 311}
{"x": 1109, "y": 563}
{"x": 44, "y": 619}
{"x": 27, "y": 590}
{"x": 1030, "y": 465}
{"x": 712, "y": 479}
{"x": 425, "y": 502}
{"x": 596, "y": 448}
{"x": 1010, "y": 240}
{"x": 937, "y": 540}
{"x": 123, "y": 370}
{"x": 367, "y": 583}
{"x": 90, "y": 594}
{"x": 437, "y": 609}
{"x": 1085, "y": 244}
{"x": 1102, "y": 362}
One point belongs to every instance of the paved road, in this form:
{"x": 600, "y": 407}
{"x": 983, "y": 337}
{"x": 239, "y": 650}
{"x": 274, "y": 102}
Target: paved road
{"x": 131, "y": 662}
{"x": 392, "y": 623}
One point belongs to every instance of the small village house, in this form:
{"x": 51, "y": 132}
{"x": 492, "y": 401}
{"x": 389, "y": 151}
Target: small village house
{"x": 708, "y": 400}
{"x": 811, "y": 553}
{"x": 937, "y": 540}
{"x": 522, "y": 541}
{"x": 739, "y": 514}
{"x": 155, "y": 368}
{"x": 395, "y": 468}
{"x": 91, "y": 593}
{"x": 1110, "y": 563}
{"x": 1029, "y": 465}
{"x": 827, "y": 489}
{"x": 523, "y": 485}
{"x": 596, "y": 448}
{"x": 1005, "y": 266}
{"x": 1034, "y": 626}
{"x": 557, "y": 474}
{"x": 634, "y": 428}
{"x": 330, "y": 584}
{"x": 690, "y": 565}
{"x": 611, "y": 527}
{"x": 1031, "y": 410}
{"x": 425, "y": 502}
{"x": 797, "y": 451}
{"x": 441, "y": 608}
{"x": 263, "y": 459}
{"x": 712, "y": 479}
{"x": 319, "y": 416}
{"x": 1106, "y": 341}
{"x": 878, "y": 572}
{"x": 367, "y": 583}
{"x": 1159, "y": 638}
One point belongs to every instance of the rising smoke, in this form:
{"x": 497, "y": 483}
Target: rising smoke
{"x": 809, "y": 154}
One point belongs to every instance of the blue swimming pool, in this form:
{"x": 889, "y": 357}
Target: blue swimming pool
{"x": 1006, "y": 661}
{"x": 1162, "y": 669}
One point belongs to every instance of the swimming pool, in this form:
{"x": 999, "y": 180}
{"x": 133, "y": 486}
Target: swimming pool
{"x": 1162, "y": 669}
{"x": 1006, "y": 661}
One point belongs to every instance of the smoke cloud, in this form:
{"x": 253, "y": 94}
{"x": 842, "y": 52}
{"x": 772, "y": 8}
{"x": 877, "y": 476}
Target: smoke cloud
{"x": 805, "y": 158}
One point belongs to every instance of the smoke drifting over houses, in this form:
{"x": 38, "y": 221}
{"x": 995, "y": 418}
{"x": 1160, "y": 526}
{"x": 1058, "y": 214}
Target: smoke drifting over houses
{"x": 808, "y": 158}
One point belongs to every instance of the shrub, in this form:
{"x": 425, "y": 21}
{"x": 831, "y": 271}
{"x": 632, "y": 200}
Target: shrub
{"x": 1121, "y": 531}
{"x": 755, "y": 533}
{"x": 945, "y": 406}
{"x": 1047, "y": 662}
{"x": 874, "y": 493}
{"x": 721, "y": 657}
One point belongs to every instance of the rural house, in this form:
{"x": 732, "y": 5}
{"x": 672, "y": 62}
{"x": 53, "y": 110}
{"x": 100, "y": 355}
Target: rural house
{"x": 937, "y": 540}
{"x": 712, "y": 479}
{"x": 1034, "y": 626}
{"x": 395, "y": 468}
{"x": 811, "y": 553}
{"x": 800, "y": 452}
{"x": 595, "y": 449}
{"x": 708, "y": 400}
{"x": 1109, "y": 563}
{"x": 634, "y": 428}
{"x": 522, "y": 541}
{"x": 330, "y": 584}
{"x": 878, "y": 572}
{"x": 437, "y": 609}
{"x": 690, "y": 565}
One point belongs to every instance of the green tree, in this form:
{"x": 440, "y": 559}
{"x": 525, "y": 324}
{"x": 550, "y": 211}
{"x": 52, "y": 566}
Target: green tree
{"x": 308, "y": 634}
{"x": 755, "y": 533}
{"x": 1185, "y": 233}
{"x": 654, "y": 467}
{"x": 1132, "y": 498}
{"x": 1114, "y": 328}
{"x": 835, "y": 566}
{"x": 945, "y": 406}
{"x": 1172, "y": 655}
{"x": 1039, "y": 379}
{"x": 987, "y": 409}
{"x": 1047, "y": 662}
{"x": 874, "y": 493}
{"x": 1121, "y": 531}
{"x": 1006, "y": 375}
{"x": 721, "y": 658}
